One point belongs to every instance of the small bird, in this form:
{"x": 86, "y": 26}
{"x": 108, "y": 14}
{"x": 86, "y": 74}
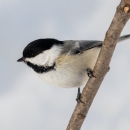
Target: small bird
{"x": 65, "y": 64}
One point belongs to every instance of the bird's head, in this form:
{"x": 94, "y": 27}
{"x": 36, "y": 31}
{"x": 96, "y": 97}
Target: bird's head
{"x": 42, "y": 52}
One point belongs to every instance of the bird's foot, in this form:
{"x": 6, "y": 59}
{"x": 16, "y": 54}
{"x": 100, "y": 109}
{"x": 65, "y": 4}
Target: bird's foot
{"x": 90, "y": 73}
{"x": 78, "y": 99}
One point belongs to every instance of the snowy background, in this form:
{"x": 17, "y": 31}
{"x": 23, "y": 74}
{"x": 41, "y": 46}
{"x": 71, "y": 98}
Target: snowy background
{"x": 26, "y": 102}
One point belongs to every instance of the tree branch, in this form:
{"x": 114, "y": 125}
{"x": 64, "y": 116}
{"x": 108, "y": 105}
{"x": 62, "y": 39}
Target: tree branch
{"x": 102, "y": 65}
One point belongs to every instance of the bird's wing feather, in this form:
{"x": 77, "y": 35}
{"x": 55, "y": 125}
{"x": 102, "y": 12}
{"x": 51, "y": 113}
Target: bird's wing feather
{"x": 81, "y": 46}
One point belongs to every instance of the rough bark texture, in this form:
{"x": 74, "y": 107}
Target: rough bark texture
{"x": 102, "y": 66}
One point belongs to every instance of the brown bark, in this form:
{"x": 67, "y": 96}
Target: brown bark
{"x": 102, "y": 65}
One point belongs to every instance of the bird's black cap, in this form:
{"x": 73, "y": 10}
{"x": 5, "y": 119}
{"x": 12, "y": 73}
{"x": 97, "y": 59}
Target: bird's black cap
{"x": 38, "y": 46}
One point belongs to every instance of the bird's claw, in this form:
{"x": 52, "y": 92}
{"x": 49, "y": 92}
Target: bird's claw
{"x": 90, "y": 73}
{"x": 78, "y": 99}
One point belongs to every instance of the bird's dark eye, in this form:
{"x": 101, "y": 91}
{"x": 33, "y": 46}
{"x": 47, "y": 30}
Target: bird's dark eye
{"x": 30, "y": 54}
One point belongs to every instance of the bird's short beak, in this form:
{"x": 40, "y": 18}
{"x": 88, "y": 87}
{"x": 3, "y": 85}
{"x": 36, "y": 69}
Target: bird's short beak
{"x": 20, "y": 60}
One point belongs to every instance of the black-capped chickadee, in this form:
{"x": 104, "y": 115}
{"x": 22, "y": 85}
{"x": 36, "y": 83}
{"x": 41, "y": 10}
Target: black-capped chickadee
{"x": 63, "y": 63}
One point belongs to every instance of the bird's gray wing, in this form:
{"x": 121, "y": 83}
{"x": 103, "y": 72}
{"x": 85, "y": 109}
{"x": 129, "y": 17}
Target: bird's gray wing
{"x": 81, "y": 46}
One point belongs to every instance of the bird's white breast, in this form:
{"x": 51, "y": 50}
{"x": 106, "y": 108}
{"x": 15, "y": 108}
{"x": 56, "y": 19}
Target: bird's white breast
{"x": 71, "y": 69}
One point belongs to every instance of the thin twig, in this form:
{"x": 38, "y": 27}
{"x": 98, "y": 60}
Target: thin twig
{"x": 102, "y": 65}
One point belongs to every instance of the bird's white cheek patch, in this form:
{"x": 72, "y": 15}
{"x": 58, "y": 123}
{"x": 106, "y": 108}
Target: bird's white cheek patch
{"x": 47, "y": 57}
{"x": 40, "y": 59}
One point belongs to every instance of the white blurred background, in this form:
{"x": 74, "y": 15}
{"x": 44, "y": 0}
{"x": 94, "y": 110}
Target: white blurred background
{"x": 26, "y": 102}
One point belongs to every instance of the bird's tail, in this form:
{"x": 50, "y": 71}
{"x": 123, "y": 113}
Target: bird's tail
{"x": 125, "y": 37}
